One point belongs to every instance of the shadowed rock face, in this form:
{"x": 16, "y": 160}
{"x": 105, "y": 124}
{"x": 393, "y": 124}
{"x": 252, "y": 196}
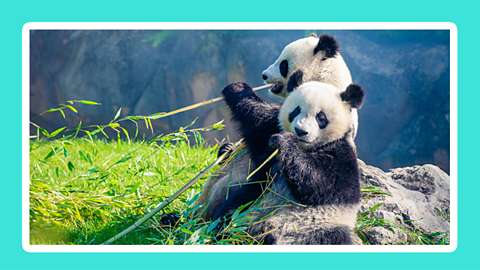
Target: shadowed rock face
{"x": 405, "y": 119}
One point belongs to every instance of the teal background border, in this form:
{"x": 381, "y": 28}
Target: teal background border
{"x": 464, "y": 14}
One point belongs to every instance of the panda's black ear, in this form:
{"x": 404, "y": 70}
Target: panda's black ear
{"x": 354, "y": 95}
{"x": 295, "y": 80}
{"x": 328, "y": 44}
{"x": 313, "y": 35}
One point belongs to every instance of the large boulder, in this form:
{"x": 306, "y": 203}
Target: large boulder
{"x": 418, "y": 195}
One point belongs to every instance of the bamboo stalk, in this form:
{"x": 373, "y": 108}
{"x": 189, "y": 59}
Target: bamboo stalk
{"x": 200, "y": 104}
{"x": 171, "y": 198}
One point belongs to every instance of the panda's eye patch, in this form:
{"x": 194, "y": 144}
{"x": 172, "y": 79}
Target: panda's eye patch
{"x": 284, "y": 68}
{"x": 322, "y": 120}
{"x": 294, "y": 114}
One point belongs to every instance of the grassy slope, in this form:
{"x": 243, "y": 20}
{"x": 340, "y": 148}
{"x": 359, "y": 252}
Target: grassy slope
{"x": 84, "y": 192}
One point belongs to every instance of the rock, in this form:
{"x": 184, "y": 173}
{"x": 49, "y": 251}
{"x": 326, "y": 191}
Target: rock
{"x": 380, "y": 235}
{"x": 418, "y": 193}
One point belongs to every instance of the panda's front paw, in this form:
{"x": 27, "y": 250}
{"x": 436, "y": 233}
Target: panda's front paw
{"x": 224, "y": 148}
{"x": 236, "y": 89}
{"x": 280, "y": 138}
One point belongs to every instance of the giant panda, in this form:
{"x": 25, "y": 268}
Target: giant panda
{"x": 315, "y": 189}
{"x": 317, "y": 59}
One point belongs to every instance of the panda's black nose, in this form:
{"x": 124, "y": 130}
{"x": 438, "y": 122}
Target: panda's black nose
{"x": 300, "y": 132}
{"x": 264, "y": 77}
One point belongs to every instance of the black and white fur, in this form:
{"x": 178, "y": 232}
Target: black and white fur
{"x": 317, "y": 59}
{"x": 315, "y": 187}
{"x": 320, "y": 60}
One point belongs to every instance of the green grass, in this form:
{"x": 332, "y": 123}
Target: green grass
{"x": 87, "y": 191}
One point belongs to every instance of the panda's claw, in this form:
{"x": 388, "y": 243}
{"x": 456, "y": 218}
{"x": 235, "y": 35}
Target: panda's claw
{"x": 224, "y": 148}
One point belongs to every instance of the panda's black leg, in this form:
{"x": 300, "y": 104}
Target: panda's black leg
{"x": 339, "y": 235}
{"x": 169, "y": 219}
{"x": 239, "y": 197}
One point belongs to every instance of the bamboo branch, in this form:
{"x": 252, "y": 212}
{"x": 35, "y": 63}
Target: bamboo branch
{"x": 200, "y": 104}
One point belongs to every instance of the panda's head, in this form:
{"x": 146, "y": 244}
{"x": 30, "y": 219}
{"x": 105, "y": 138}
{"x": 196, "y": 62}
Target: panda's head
{"x": 318, "y": 57}
{"x": 319, "y": 113}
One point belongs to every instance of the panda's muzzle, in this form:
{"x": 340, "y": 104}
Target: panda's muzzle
{"x": 277, "y": 88}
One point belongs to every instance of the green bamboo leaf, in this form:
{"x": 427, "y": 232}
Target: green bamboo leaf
{"x": 114, "y": 125}
{"x": 82, "y": 156}
{"x": 134, "y": 117}
{"x": 55, "y": 109}
{"x": 134, "y": 188}
{"x": 70, "y": 166}
{"x": 93, "y": 170}
{"x": 149, "y": 122}
{"x": 375, "y": 207}
{"x": 123, "y": 160}
{"x": 101, "y": 130}
{"x": 44, "y": 132}
{"x": 126, "y": 134}
{"x": 89, "y": 159}
{"x": 436, "y": 233}
{"x": 78, "y": 129}
{"x": 49, "y": 154}
{"x": 119, "y": 141}
{"x": 191, "y": 124}
{"x": 55, "y": 133}
{"x": 213, "y": 225}
{"x": 89, "y": 102}
{"x": 71, "y": 108}
{"x": 154, "y": 239}
{"x": 89, "y": 136}
{"x": 187, "y": 231}
{"x": 136, "y": 130}
{"x": 156, "y": 114}
{"x": 118, "y": 114}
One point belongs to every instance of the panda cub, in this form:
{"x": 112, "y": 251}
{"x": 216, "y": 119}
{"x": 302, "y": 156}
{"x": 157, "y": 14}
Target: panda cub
{"x": 315, "y": 189}
{"x": 320, "y": 60}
